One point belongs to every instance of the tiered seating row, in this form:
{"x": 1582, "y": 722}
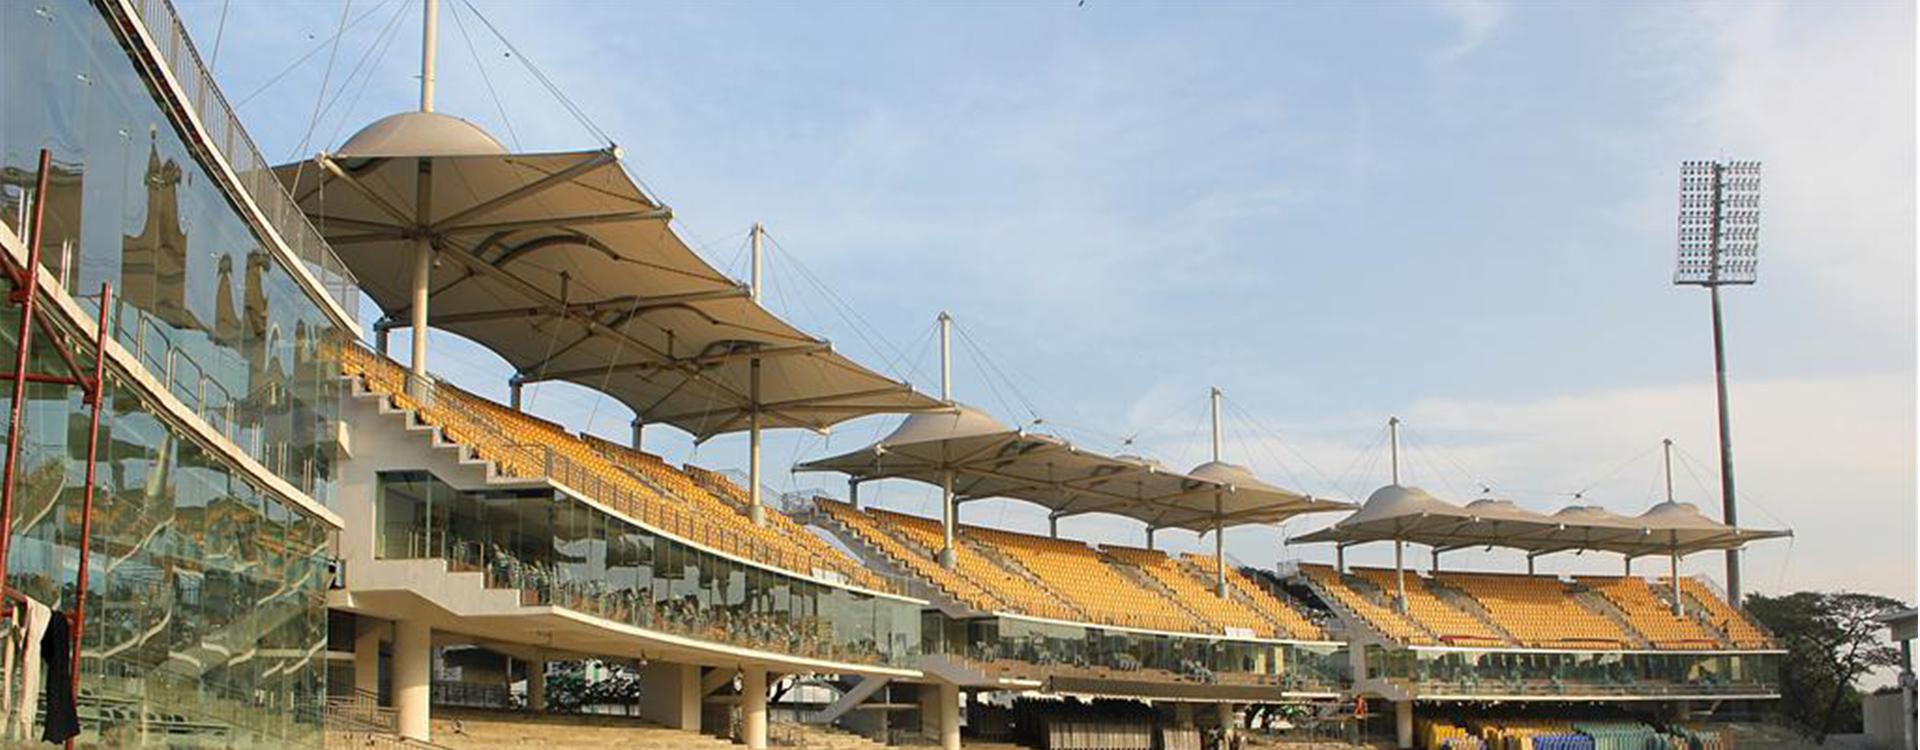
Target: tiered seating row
{"x": 959, "y": 587}
{"x": 1454, "y": 626}
{"x": 1388, "y": 621}
{"x": 1539, "y": 611}
{"x": 1264, "y": 601}
{"x": 1221, "y": 613}
{"x": 1738, "y": 628}
{"x": 520, "y": 445}
{"x": 1076, "y": 572}
{"x": 1648, "y": 614}
{"x": 1021, "y": 594}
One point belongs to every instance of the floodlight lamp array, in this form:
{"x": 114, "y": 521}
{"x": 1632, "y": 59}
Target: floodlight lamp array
{"x": 1719, "y": 241}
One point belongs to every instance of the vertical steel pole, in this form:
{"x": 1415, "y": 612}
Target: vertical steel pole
{"x": 1666, "y": 455}
{"x": 754, "y": 509}
{"x": 949, "y": 515}
{"x": 1219, "y": 545}
{"x": 1393, "y": 452}
{"x": 1214, "y": 400}
{"x": 946, "y": 357}
{"x": 429, "y": 28}
{"x": 1400, "y": 574}
{"x": 98, "y": 397}
{"x": 1729, "y": 514}
{"x": 24, "y": 296}
{"x": 422, "y": 272}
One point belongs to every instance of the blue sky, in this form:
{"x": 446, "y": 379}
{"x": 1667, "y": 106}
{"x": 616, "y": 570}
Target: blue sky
{"x": 1461, "y": 213}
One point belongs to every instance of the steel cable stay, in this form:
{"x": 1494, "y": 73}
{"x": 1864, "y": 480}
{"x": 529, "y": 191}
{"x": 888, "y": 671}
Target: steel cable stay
{"x": 242, "y": 101}
{"x": 473, "y": 52}
{"x": 861, "y": 327}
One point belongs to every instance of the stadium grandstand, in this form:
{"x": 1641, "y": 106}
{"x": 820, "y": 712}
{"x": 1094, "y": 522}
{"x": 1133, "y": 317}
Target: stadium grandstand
{"x": 299, "y": 539}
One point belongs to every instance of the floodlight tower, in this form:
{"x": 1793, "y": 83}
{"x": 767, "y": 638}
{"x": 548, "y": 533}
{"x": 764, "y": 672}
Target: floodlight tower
{"x": 1720, "y": 245}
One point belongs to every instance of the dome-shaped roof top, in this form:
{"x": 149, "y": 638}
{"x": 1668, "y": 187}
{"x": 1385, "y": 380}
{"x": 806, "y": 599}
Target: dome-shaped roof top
{"x": 1398, "y": 501}
{"x": 925, "y": 427}
{"x": 1496, "y": 509}
{"x": 1672, "y": 515}
{"x": 1226, "y": 473}
{"x": 420, "y": 134}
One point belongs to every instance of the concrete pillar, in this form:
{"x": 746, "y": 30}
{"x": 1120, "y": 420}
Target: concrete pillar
{"x": 366, "y": 659}
{"x": 537, "y": 684}
{"x": 753, "y": 707}
{"x": 940, "y": 714}
{"x": 1226, "y": 720}
{"x": 1403, "y": 723}
{"x": 670, "y": 695}
{"x": 412, "y": 678}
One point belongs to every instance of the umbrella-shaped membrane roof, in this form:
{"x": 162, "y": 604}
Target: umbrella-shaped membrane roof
{"x": 1411, "y": 515}
{"x": 987, "y": 459}
{"x": 562, "y": 265}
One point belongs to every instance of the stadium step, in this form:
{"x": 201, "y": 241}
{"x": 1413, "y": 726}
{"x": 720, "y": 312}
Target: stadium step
{"x": 1384, "y": 598}
{"x": 818, "y": 737}
{"x": 1598, "y": 603}
{"x": 1465, "y": 602}
{"x": 1013, "y": 566}
{"x": 1141, "y": 579}
{"x": 479, "y": 729}
{"x": 1694, "y": 610}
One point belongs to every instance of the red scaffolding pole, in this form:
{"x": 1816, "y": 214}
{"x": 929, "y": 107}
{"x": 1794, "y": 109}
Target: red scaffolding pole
{"x": 26, "y": 286}
{"x": 96, "y": 399}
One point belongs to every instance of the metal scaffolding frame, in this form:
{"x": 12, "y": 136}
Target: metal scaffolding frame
{"x": 25, "y": 293}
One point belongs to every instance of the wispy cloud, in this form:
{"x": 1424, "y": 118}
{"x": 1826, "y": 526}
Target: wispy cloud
{"x": 1474, "y": 23}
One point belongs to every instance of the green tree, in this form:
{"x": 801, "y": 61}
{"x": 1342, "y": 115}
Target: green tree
{"x": 1832, "y": 640}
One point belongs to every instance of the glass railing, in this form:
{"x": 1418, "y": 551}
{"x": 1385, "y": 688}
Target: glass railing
{"x": 1038, "y": 649}
{"x": 1549, "y": 673}
{"x": 629, "y": 494}
{"x": 254, "y": 172}
{"x": 190, "y": 379}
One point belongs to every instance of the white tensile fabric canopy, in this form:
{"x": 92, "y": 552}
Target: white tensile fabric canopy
{"x": 1409, "y": 514}
{"x": 563, "y": 266}
{"x": 985, "y": 459}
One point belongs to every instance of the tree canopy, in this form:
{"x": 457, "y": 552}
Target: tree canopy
{"x": 1832, "y": 640}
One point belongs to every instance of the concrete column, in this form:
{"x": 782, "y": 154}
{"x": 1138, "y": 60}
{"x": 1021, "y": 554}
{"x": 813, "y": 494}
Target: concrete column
{"x": 1403, "y": 723}
{"x": 412, "y": 678}
{"x": 366, "y": 658}
{"x": 1226, "y": 720}
{"x": 753, "y": 707}
{"x": 670, "y": 695}
{"x": 537, "y": 684}
{"x": 940, "y": 714}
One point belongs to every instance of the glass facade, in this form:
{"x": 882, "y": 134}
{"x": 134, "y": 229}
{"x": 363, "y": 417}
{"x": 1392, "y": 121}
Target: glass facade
{"x": 1038, "y": 647}
{"x": 557, "y": 550}
{"x": 205, "y": 306}
{"x": 206, "y": 601}
{"x": 1658, "y": 673}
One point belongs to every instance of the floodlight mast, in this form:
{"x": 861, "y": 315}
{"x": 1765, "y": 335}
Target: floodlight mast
{"x": 1720, "y": 220}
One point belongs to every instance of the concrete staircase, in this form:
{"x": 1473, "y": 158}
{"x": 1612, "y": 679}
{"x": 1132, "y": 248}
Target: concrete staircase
{"x": 1017, "y": 568}
{"x": 1594, "y": 601}
{"x": 817, "y": 737}
{"x": 1465, "y": 602}
{"x": 1385, "y": 599}
{"x": 474, "y": 729}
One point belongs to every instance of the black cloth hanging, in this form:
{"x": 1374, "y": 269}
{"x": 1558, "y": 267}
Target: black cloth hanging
{"x": 56, "y": 650}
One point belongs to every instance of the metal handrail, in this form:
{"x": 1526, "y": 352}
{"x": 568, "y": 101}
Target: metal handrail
{"x": 253, "y": 171}
{"x": 531, "y": 460}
